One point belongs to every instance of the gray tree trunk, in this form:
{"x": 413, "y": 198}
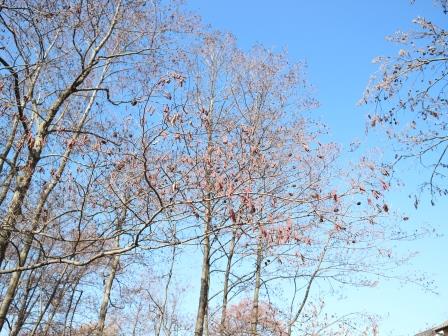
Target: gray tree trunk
{"x": 226, "y": 283}
{"x": 256, "y": 298}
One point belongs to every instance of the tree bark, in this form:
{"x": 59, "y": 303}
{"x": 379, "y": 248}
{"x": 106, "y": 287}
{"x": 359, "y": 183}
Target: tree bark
{"x": 36, "y": 144}
{"x": 4, "y": 235}
{"x": 106, "y": 295}
{"x": 256, "y": 298}
{"x": 205, "y": 276}
{"x": 226, "y": 283}
{"x": 110, "y": 280}
{"x": 22, "y": 313}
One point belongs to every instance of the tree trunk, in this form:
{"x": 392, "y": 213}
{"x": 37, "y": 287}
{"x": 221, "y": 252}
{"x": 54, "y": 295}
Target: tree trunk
{"x": 12, "y": 286}
{"x": 226, "y": 283}
{"x": 111, "y": 278}
{"x": 205, "y": 277}
{"x": 106, "y": 295}
{"x": 49, "y": 301}
{"x": 15, "y": 208}
{"x": 206, "y": 331}
{"x": 36, "y": 147}
{"x": 205, "y": 274}
{"x": 254, "y": 320}
{"x": 22, "y": 313}
{"x": 23, "y": 186}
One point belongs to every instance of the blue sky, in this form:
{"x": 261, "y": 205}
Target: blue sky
{"x": 338, "y": 40}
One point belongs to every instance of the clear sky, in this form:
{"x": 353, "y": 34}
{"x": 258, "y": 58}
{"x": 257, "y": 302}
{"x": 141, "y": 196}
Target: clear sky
{"x": 338, "y": 40}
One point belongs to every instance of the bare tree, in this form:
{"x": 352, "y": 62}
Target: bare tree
{"x": 409, "y": 98}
